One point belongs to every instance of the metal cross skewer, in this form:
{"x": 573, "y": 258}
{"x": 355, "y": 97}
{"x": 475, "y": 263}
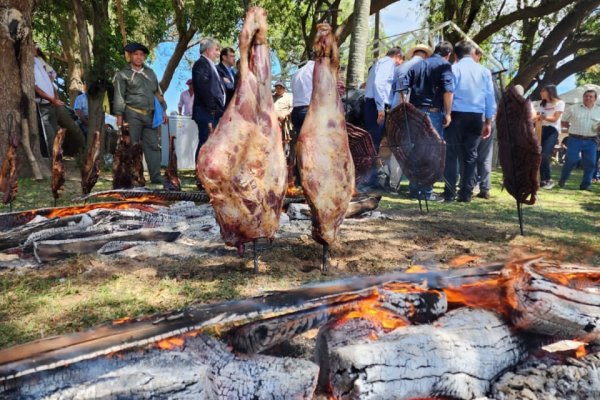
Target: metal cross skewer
{"x": 326, "y": 261}
{"x": 255, "y": 256}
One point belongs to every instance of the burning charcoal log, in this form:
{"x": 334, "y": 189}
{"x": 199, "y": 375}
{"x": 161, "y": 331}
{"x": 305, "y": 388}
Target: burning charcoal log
{"x": 363, "y": 152}
{"x": 51, "y": 250}
{"x": 8, "y": 172}
{"x": 355, "y": 208}
{"x": 452, "y": 358}
{"x": 199, "y": 368}
{"x": 323, "y": 154}
{"x": 91, "y": 168}
{"x": 172, "y": 181}
{"x": 58, "y": 167}
{"x": 15, "y": 236}
{"x": 519, "y": 149}
{"x": 150, "y": 195}
{"x": 415, "y": 303}
{"x": 417, "y": 146}
{"x": 242, "y": 165}
{"x": 545, "y": 303}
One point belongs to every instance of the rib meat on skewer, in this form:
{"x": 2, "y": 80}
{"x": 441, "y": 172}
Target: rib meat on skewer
{"x": 137, "y": 164}
{"x": 323, "y": 154}
{"x": 242, "y": 165}
{"x": 8, "y": 172}
{"x": 58, "y": 167}
{"x": 91, "y": 168}
{"x": 172, "y": 181}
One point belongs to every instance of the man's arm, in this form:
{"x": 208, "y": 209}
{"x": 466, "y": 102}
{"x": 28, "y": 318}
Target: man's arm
{"x": 54, "y": 100}
{"x": 447, "y": 84}
{"x": 384, "y": 74}
{"x": 490, "y": 105}
{"x": 448, "y": 96}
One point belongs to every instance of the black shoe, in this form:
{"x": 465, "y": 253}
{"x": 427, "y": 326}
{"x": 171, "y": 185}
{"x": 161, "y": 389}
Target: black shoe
{"x": 484, "y": 194}
{"x": 561, "y": 184}
{"x": 588, "y": 188}
{"x": 464, "y": 199}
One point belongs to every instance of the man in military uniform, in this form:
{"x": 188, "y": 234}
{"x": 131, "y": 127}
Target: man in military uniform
{"x": 136, "y": 85}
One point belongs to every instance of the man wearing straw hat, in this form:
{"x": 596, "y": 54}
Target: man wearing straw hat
{"x": 415, "y": 55}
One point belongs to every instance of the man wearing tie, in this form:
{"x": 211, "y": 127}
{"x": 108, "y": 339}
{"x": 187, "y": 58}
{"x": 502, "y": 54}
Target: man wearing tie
{"x": 209, "y": 92}
{"x": 226, "y": 72}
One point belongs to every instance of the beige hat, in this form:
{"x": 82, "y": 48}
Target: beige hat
{"x": 421, "y": 47}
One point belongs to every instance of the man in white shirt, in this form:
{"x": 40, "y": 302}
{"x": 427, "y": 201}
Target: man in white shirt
{"x": 584, "y": 126}
{"x": 46, "y": 98}
{"x": 186, "y": 100}
{"x": 302, "y": 83}
{"x": 378, "y": 93}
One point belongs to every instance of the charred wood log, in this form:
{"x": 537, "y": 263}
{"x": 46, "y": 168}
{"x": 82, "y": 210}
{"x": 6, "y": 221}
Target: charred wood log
{"x": 8, "y": 172}
{"x": 202, "y": 368}
{"x": 16, "y": 236}
{"x": 91, "y": 168}
{"x": 58, "y": 351}
{"x": 520, "y": 152}
{"x": 451, "y": 358}
{"x": 172, "y": 181}
{"x": 51, "y": 250}
{"x": 415, "y": 143}
{"x": 141, "y": 193}
{"x": 58, "y": 167}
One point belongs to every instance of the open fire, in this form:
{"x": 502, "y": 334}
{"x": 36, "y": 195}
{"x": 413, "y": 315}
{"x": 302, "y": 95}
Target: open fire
{"x": 389, "y": 335}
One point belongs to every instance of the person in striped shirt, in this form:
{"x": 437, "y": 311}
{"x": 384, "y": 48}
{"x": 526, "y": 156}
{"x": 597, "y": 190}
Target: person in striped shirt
{"x": 584, "y": 126}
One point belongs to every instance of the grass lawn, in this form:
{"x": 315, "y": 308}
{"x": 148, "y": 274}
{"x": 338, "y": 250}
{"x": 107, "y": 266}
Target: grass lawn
{"x": 73, "y": 294}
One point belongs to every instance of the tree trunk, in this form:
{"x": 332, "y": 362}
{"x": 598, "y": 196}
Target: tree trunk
{"x": 358, "y": 44}
{"x": 450, "y": 359}
{"x": 17, "y": 98}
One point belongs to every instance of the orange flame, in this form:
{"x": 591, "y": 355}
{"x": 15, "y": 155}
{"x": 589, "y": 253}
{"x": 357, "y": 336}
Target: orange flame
{"x": 581, "y": 351}
{"x": 463, "y": 260}
{"x": 293, "y": 191}
{"x": 170, "y": 343}
{"x": 370, "y": 309}
{"x": 120, "y": 321}
{"x": 74, "y": 210}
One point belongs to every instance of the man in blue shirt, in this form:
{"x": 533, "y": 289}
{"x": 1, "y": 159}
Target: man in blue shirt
{"x": 473, "y": 101}
{"x": 415, "y": 55}
{"x": 431, "y": 85}
{"x": 378, "y": 93}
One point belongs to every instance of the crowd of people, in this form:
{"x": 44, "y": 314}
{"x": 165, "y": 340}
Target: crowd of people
{"x": 448, "y": 84}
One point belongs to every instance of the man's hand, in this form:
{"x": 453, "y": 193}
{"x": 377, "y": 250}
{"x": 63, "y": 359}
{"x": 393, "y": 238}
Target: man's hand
{"x": 380, "y": 117}
{"x": 447, "y": 120}
{"x": 486, "y": 131}
{"x": 165, "y": 118}
{"x": 119, "y": 121}
{"x": 56, "y": 102}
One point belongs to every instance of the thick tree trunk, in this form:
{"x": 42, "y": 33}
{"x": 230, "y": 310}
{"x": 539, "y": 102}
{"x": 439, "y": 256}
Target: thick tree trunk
{"x": 17, "y": 92}
{"x": 203, "y": 369}
{"x": 452, "y": 358}
{"x": 358, "y": 44}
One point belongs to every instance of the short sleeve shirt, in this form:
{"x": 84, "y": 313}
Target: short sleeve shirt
{"x": 550, "y": 109}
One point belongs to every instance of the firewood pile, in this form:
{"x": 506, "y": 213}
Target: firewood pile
{"x": 493, "y": 332}
{"x": 134, "y": 225}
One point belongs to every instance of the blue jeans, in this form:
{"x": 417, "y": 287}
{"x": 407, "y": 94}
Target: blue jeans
{"x": 437, "y": 120}
{"x": 462, "y": 139}
{"x": 203, "y": 119}
{"x": 587, "y": 148}
{"x": 549, "y": 140}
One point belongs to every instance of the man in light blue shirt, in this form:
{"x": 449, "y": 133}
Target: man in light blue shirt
{"x": 378, "y": 93}
{"x": 473, "y": 101}
{"x": 415, "y": 55}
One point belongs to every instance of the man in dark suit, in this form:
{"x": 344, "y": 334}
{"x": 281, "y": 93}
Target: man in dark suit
{"x": 227, "y": 73}
{"x": 209, "y": 92}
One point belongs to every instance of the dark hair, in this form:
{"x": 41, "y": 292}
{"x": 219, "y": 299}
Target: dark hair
{"x": 591, "y": 91}
{"x": 395, "y": 51}
{"x": 463, "y": 49}
{"x": 226, "y": 51}
{"x": 552, "y": 92}
{"x": 443, "y": 48}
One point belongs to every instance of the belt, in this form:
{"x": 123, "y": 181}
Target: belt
{"x": 431, "y": 109}
{"x": 582, "y": 137}
{"x": 302, "y": 107}
{"x": 139, "y": 110}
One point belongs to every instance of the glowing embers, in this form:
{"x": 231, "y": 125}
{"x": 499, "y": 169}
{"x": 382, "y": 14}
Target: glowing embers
{"x": 372, "y": 310}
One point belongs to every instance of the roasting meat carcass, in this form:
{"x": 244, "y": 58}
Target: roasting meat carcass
{"x": 58, "y": 167}
{"x": 363, "y": 152}
{"x": 8, "y": 171}
{"x": 91, "y": 168}
{"x": 128, "y": 169}
{"x": 519, "y": 149}
{"x": 242, "y": 165}
{"x": 172, "y": 181}
{"x": 325, "y": 163}
{"x": 415, "y": 143}
{"x": 137, "y": 163}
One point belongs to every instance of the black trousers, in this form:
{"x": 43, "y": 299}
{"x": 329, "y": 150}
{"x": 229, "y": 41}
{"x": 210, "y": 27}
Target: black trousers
{"x": 462, "y": 138}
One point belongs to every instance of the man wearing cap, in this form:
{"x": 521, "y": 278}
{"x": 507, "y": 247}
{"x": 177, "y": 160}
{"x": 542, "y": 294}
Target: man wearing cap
{"x": 282, "y": 101}
{"x": 136, "y": 85}
{"x": 227, "y": 73}
{"x": 186, "y": 100}
{"x": 431, "y": 85}
{"x": 209, "y": 92}
{"x": 415, "y": 55}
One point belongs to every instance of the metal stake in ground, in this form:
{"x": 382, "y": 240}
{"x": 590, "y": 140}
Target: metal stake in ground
{"x": 511, "y": 145}
{"x": 326, "y": 261}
